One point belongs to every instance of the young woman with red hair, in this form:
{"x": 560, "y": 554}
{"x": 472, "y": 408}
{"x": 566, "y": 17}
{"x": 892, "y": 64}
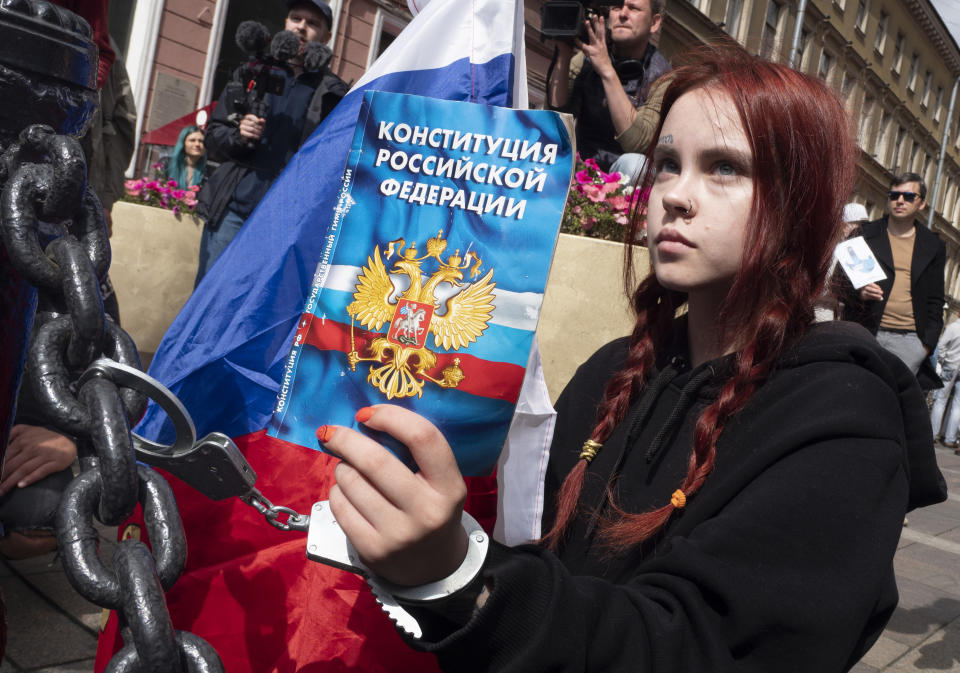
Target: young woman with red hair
{"x": 730, "y": 483}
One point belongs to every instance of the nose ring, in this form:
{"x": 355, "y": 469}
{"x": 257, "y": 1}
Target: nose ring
{"x": 686, "y": 211}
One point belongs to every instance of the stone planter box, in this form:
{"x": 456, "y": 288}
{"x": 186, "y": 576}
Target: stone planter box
{"x": 584, "y": 306}
{"x": 154, "y": 264}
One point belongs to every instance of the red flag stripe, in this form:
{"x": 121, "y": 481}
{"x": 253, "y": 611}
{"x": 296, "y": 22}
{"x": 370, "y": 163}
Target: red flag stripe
{"x": 485, "y": 378}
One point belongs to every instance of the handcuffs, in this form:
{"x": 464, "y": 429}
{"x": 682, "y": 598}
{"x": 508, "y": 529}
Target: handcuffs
{"x": 215, "y": 467}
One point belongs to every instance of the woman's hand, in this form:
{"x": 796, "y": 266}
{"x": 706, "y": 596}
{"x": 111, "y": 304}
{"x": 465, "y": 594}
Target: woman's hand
{"x": 405, "y": 526}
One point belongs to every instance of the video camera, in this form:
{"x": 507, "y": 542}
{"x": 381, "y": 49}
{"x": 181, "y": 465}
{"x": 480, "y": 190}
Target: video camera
{"x": 266, "y": 71}
{"x": 564, "y": 19}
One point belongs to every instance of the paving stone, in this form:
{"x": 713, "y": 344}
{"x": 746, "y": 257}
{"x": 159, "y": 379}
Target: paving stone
{"x": 863, "y": 668}
{"x": 934, "y": 521}
{"x": 39, "y": 635}
{"x": 884, "y": 652}
{"x": 58, "y": 589}
{"x": 934, "y": 567}
{"x": 922, "y": 611}
{"x": 940, "y": 652}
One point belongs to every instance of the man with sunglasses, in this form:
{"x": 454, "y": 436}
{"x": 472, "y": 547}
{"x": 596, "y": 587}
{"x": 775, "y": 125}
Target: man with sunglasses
{"x": 905, "y": 310}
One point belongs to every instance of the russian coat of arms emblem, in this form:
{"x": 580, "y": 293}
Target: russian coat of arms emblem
{"x": 417, "y": 305}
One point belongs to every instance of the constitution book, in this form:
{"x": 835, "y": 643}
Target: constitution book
{"x": 432, "y": 274}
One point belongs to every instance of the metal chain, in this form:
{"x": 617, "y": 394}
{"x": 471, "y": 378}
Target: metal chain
{"x": 53, "y": 229}
{"x": 272, "y": 513}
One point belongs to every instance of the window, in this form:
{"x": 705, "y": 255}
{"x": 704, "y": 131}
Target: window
{"x": 898, "y": 145}
{"x": 731, "y": 22}
{"x": 898, "y": 53}
{"x": 881, "y": 133}
{"x": 880, "y": 42}
{"x": 768, "y": 40}
{"x": 861, "y": 21}
{"x": 846, "y": 84}
{"x": 914, "y": 153}
{"x": 938, "y": 106}
{"x": 912, "y": 76}
{"x": 826, "y": 65}
{"x": 866, "y": 117}
{"x": 804, "y": 43}
{"x": 927, "y": 82}
{"x": 386, "y": 27}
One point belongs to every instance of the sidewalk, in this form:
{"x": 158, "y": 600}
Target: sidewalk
{"x": 54, "y": 630}
{"x": 924, "y": 633}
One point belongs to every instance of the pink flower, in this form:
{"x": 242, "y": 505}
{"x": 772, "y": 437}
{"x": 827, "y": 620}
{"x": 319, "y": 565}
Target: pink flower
{"x": 584, "y": 178}
{"x": 610, "y": 187}
{"x": 133, "y": 187}
{"x": 610, "y": 177}
{"x": 592, "y": 164}
{"x": 588, "y": 223}
{"x": 178, "y": 194}
{"x": 171, "y": 183}
{"x": 620, "y": 218}
{"x": 619, "y": 202}
{"x": 577, "y": 210}
{"x": 158, "y": 166}
{"x": 594, "y": 193}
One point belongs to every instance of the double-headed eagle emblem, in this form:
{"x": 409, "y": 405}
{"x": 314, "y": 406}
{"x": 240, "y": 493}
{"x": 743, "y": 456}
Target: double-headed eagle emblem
{"x": 415, "y": 305}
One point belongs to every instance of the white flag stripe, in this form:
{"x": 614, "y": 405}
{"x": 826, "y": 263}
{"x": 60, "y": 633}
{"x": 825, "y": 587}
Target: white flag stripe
{"x": 513, "y": 309}
{"x": 457, "y": 35}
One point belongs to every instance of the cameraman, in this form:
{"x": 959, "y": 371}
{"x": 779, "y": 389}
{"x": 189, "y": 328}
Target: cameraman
{"x": 255, "y": 149}
{"x": 608, "y": 90}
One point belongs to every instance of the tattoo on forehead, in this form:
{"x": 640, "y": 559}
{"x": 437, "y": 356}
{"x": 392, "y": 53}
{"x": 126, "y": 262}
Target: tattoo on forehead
{"x": 666, "y": 140}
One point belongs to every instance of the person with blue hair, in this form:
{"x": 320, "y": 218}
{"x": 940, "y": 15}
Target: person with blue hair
{"x": 188, "y": 163}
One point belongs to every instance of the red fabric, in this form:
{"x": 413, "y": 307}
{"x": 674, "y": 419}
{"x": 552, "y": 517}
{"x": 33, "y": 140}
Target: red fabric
{"x": 95, "y": 12}
{"x": 249, "y": 590}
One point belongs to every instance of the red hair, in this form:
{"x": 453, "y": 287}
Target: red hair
{"x": 803, "y": 159}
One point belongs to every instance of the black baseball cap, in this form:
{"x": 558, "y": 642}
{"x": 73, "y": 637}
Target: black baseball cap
{"x": 319, "y": 4}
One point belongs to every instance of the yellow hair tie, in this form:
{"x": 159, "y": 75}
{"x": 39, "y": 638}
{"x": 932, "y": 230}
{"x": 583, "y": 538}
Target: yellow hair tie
{"x": 589, "y": 450}
{"x": 678, "y": 499}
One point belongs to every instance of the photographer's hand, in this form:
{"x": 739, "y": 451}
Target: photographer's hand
{"x": 621, "y": 107}
{"x": 251, "y": 127}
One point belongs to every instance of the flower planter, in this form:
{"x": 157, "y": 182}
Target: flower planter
{"x": 154, "y": 264}
{"x": 584, "y": 306}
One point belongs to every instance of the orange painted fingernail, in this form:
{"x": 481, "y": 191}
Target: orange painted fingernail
{"x": 324, "y": 433}
{"x": 363, "y": 415}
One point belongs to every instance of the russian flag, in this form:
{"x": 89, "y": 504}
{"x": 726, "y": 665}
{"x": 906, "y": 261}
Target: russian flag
{"x": 248, "y": 588}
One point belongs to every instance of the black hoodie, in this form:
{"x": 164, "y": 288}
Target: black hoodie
{"x": 782, "y": 562}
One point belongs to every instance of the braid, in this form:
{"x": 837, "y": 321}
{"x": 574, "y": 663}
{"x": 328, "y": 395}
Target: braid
{"x": 619, "y": 529}
{"x": 655, "y": 307}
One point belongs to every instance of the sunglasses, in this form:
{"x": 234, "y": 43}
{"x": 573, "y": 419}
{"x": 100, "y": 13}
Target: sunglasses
{"x": 909, "y": 197}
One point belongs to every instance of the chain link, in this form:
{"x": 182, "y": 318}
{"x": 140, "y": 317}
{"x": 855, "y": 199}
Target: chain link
{"x": 272, "y": 513}
{"x": 53, "y": 230}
